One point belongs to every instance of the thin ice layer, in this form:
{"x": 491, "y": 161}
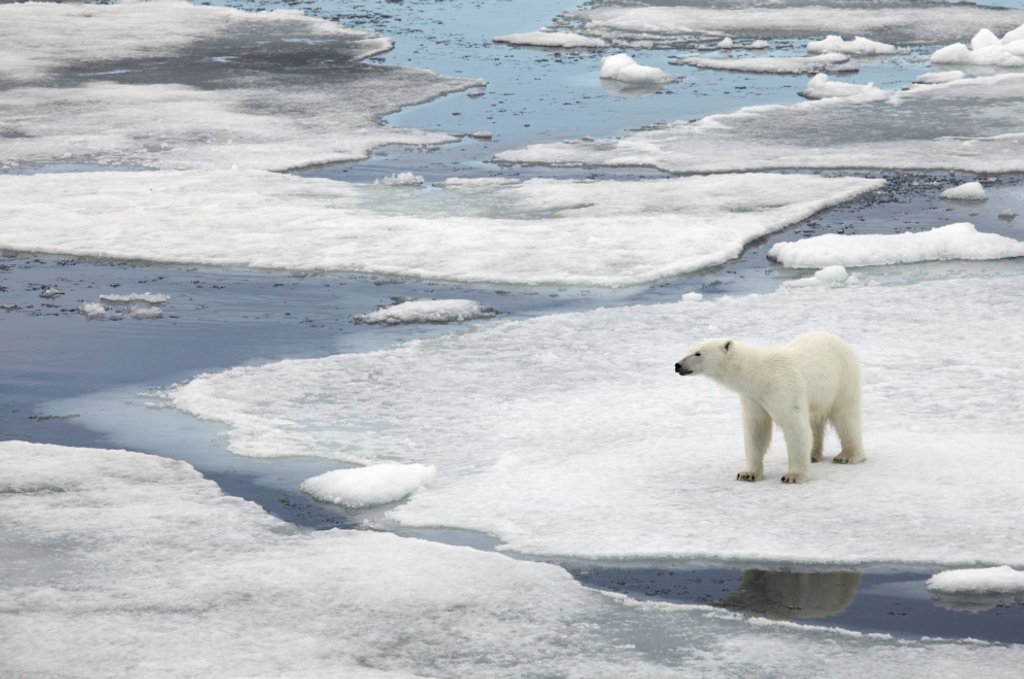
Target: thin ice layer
{"x": 827, "y": 63}
{"x": 572, "y": 434}
{"x": 969, "y": 125}
{"x": 953, "y": 241}
{"x": 610, "y": 233}
{"x": 550, "y": 39}
{"x": 896, "y": 22}
{"x": 175, "y": 85}
{"x": 121, "y": 564}
{"x": 428, "y": 311}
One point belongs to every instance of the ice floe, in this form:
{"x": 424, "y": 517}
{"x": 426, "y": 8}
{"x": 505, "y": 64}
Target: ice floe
{"x": 998, "y": 579}
{"x": 953, "y": 241}
{"x": 128, "y": 564}
{"x": 820, "y": 87}
{"x": 832, "y": 276}
{"x": 972, "y": 191}
{"x": 608, "y": 233}
{"x": 624, "y": 68}
{"x": 985, "y": 50}
{"x": 428, "y": 311}
{"x": 572, "y": 435}
{"x": 858, "y": 45}
{"x": 969, "y": 125}
{"x": 155, "y": 298}
{"x": 939, "y": 77}
{"x": 368, "y": 486}
{"x": 831, "y": 63}
{"x": 146, "y": 85}
{"x": 94, "y": 311}
{"x": 554, "y": 39}
{"x": 400, "y": 179}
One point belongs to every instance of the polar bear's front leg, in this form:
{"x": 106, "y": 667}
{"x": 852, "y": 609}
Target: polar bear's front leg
{"x": 757, "y": 436}
{"x": 796, "y": 427}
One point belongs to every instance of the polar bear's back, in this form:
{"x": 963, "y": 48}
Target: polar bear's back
{"x": 829, "y": 369}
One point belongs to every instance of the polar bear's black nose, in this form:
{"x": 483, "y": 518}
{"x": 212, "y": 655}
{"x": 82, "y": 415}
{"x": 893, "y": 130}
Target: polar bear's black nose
{"x": 681, "y": 369}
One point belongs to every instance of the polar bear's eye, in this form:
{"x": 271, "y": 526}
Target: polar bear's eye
{"x": 697, "y": 354}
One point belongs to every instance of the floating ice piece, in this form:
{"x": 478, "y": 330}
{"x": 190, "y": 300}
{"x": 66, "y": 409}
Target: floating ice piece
{"x": 972, "y": 191}
{"x": 939, "y": 78}
{"x": 691, "y": 297}
{"x": 831, "y": 276}
{"x": 820, "y": 87}
{"x": 94, "y": 311}
{"x": 624, "y": 68}
{"x": 551, "y": 39}
{"x": 428, "y": 311}
{"x": 920, "y": 128}
{"x": 529, "y": 421}
{"x": 181, "y": 580}
{"x": 369, "y": 486}
{"x": 144, "y": 297}
{"x": 1007, "y": 214}
{"x": 759, "y": 45}
{"x": 999, "y": 579}
{"x": 400, "y": 179}
{"x": 481, "y": 135}
{"x": 725, "y": 43}
{"x": 50, "y": 292}
{"x": 831, "y": 63}
{"x": 610, "y": 233}
{"x": 953, "y": 241}
{"x": 144, "y": 311}
{"x": 985, "y": 50}
{"x": 279, "y": 113}
{"x": 858, "y": 46}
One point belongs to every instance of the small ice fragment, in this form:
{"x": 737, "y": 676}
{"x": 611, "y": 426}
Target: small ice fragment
{"x": 50, "y": 293}
{"x": 997, "y": 580}
{"x": 967, "y": 191}
{"x": 94, "y": 311}
{"x": 830, "y": 276}
{"x": 691, "y": 297}
{"x": 859, "y": 46}
{"x": 369, "y": 486}
{"x": 144, "y": 311}
{"x": 428, "y": 311}
{"x": 1008, "y": 215}
{"x": 400, "y": 179}
{"x": 482, "y": 135}
{"x": 758, "y": 45}
{"x": 624, "y": 68}
{"x": 144, "y": 297}
{"x": 984, "y": 38}
{"x": 725, "y": 43}
{"x": 552, "y": 39}
{"x": 939, "y": 77}
{"x": 820, "y": 87}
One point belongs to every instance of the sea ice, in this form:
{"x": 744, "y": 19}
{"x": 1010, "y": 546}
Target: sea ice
{"x": 758, "y": 45}
{"x": 833, "y": 276}
{"x": 368, "y": 486}
{"x": 144, "y": 297}
{"x": 428, "y": 311}
{"x": 985, "y": 50}
{"x": 725, "y": 43}
{"x": 400, "y": 179}
{"x": 820, "y": 87}
{"x": 572, "y": 435}
{"x": 969, "y": 125}
{"x": 624, "y": 68}
{"x": 94, "y": 311}
{"x": 953, "y": 241}
{"x": 830, "y": 63}
{"x": 858, "y": 46}
{"x": 939, "y": 77}
{"x": 998, "y": 579}
{"x": 122, "y": 564}
{"x": 554, "y": 39}
{"x": 972, "y": 191}
{"x": 609, "y": 233}
{"x": 144, "y": 85}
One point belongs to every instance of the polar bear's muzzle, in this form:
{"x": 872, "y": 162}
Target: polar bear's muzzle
{"x": 682, "y": 369}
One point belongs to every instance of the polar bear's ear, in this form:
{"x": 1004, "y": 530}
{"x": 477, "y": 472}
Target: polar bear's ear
{"x": 727, "y": 346}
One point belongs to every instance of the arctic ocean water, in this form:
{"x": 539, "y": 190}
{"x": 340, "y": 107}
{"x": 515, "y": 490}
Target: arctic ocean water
{"x": 71, "y": 381}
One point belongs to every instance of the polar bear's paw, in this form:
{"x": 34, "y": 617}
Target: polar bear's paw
{"x": 847, "y": 457}
{"x": 747, "y": 476}
{"x": 794, "y": 477}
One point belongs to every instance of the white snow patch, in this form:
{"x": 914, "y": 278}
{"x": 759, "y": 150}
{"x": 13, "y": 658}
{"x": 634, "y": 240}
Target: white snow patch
{"x": 428, "y": 311}
{"x": 858, "y": 46}
{"x": 588, "y": 444}
{"x": 996, "y": 580}
{"x": 94, "y": 311}
{"x": 971, "y": 191}
{"x": 551, "y": 39}
{"x": 820, "y": 87}
{"x": 609, "y": 233}
{"x": 939, "y": 77}
{"x": 953, "y": 241}
{"x": 369, "y": 486}
{"x": 624, "y": 68}
{"x": 832, "y": 63}
{"x": 400, "y": 179}
{"x": 144, "y": 297}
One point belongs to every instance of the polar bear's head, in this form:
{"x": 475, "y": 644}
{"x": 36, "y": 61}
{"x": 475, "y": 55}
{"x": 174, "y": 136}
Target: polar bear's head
{"x": 707, "y": 358}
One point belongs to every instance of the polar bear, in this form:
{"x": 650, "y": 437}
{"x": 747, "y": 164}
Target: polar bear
{"x": 800, "y": 386}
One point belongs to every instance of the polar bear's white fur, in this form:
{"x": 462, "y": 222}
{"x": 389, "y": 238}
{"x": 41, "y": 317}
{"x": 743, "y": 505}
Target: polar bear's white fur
{"x": 801, "y": 386}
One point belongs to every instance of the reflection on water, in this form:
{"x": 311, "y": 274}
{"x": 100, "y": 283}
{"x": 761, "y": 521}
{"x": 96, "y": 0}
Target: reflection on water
{"x": 977, "y": 602}
{"x": 782, "y": 595}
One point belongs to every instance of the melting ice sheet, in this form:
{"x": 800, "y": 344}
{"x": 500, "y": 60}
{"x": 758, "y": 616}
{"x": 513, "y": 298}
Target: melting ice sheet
{"x": 895, "y": 21}
{"x": 173, "y": 85}
{"x": 118, "y": 563}
{"x": 971, "y": 125}
{"x": 571, "y": 434}
{"x": 610, "y": 233}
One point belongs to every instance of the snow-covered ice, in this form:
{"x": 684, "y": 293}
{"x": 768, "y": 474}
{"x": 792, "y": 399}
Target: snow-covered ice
{"x": 94, "y": 311}
{"x": 859, "y": 46}
{"x": 939, "y": 77}
{"x": 831, "y": 63}
{"x": 725, "y": 43}
{"x": 144, "y": 297}
{"x": 972, "y": 191}
{"x": 953, "y": 241}
{"x": 294, "y": 93}
{"x": 572, "y": 435}
{"x": 368, "y": 486}
{"x": 118, "y": 564}
{"x": 624, "y": 68}
{"x": 608, "y": 233}
{"x": 428, "y": 311}
{"x": 969, "y": 125}
{"x": 998, "y": 579}
{"x": 985, "y": 50}
{"x": 820, "y": 87}
{"x": 400, "y": 179}
{"x": 554, "y": 39}
{"x": 833, "y": 275}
